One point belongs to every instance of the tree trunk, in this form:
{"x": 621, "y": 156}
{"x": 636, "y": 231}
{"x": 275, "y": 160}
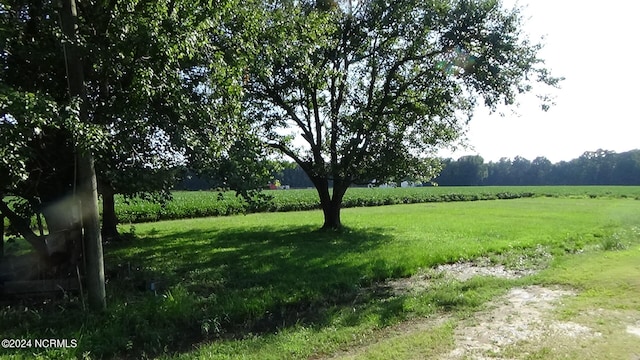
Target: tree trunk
{"x": 93, "y": 242}
{"x": 87, "y": 184}
{"x": 109, "y": 218}
{"x": 331, "y": 205}
{"x": 1, "y": 236}
{"x": 331, "y": 216}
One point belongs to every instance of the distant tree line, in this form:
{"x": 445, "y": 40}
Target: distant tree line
{"x": 600, "y": 167}
{"x": 287, "y": 173}
{"x": 291, "y": 174}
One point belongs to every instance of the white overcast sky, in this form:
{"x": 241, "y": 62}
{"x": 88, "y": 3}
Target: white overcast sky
{"x": 595, "y": 45}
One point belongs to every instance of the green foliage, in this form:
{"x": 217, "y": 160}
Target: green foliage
{"x": 160, "y": 91}
{"x": 467, "y": 170}
{"x": 620, "y": 240}
{"x": 601, "y": 167}
{"x": 22, "y": 123}
{"x": 210, "y": 203}
{"x": 374, "y": 88}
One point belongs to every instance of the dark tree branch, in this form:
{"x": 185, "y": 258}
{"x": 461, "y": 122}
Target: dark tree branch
{"x": 318, "y": 123}
{"x": 278, "y": 100}
{"x": 305, "y": 165}
{"x": 24, "y": 229}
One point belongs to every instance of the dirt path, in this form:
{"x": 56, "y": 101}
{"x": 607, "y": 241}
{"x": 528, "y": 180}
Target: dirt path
{"x": 523, "y": 314}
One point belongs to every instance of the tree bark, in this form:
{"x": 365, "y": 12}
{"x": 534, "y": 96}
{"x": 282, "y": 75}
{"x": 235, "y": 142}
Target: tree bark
{"x": 331, "y": 203}
{"x": 109, "y": 218}
{"x": 331, "y": 216}
{"x": 1, "y": 236}
{"x": 93, "y": 241}
{"x": 87, "y": 183}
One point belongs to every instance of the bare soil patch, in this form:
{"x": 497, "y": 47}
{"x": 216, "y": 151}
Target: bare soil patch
{"x": 464, "y": 271}
{"x": 523, "y": 314}
{"x": 634, "y": 329}
{"x": 461, "y": 271}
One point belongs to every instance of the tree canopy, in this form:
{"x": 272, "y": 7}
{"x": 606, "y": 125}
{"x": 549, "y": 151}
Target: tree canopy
{"x": 360, "y": 90}
{"x": 349, "y": 90}
{"x": 159, "y": 91}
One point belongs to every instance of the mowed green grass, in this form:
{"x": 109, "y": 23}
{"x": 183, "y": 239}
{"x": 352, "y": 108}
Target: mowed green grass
{"x": 607, "y": 285}
{"x": 270, "y": 286}
{"x": 403, "y": 238}
{"x": 604, "y": 310}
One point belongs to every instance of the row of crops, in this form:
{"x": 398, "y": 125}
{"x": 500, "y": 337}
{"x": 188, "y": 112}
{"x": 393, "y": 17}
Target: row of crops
{"x": 211, "y": 203}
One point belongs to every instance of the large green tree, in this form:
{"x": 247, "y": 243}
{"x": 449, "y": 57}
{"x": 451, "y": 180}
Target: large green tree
{"x": 361, "y": 90}
{"x": 159, "y": 91}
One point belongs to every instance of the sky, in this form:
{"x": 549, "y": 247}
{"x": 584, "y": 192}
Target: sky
{"x": 594, "y": 45}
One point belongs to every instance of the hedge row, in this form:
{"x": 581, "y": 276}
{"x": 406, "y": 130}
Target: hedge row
{"x": 202, "y": 204}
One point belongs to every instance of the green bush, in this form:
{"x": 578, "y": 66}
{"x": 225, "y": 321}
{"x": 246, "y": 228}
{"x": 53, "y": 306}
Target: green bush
{"x": 213, "y": 203}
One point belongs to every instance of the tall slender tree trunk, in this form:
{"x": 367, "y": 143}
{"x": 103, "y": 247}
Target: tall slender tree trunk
{"x": 87, "y": 184}
{"x": 1, "y": 236}
{"x": 88, "y": 187}
{"x": 109, "y": 218}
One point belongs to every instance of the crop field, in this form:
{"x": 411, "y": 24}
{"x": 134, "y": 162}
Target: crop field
{"x": 271, "y": 286}
{"x": 211, "y": 203}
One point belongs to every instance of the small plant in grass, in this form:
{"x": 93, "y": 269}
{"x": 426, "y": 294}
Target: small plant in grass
{"x": 211, "y": 327}
{"x": 536, "y": 258}
{"x": 613, "y": 242}
{"x": 621, "y": 239}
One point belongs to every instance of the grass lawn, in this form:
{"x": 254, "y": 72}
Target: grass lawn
{"x": 269, "y": 286}
{"x": 608, "y": 285}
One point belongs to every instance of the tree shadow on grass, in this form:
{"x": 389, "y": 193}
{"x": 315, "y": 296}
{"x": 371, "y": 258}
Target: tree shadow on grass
{"x": 224, "y": 284}
{"x": 250, "y": 257}
{"x": 252, "y": 280}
